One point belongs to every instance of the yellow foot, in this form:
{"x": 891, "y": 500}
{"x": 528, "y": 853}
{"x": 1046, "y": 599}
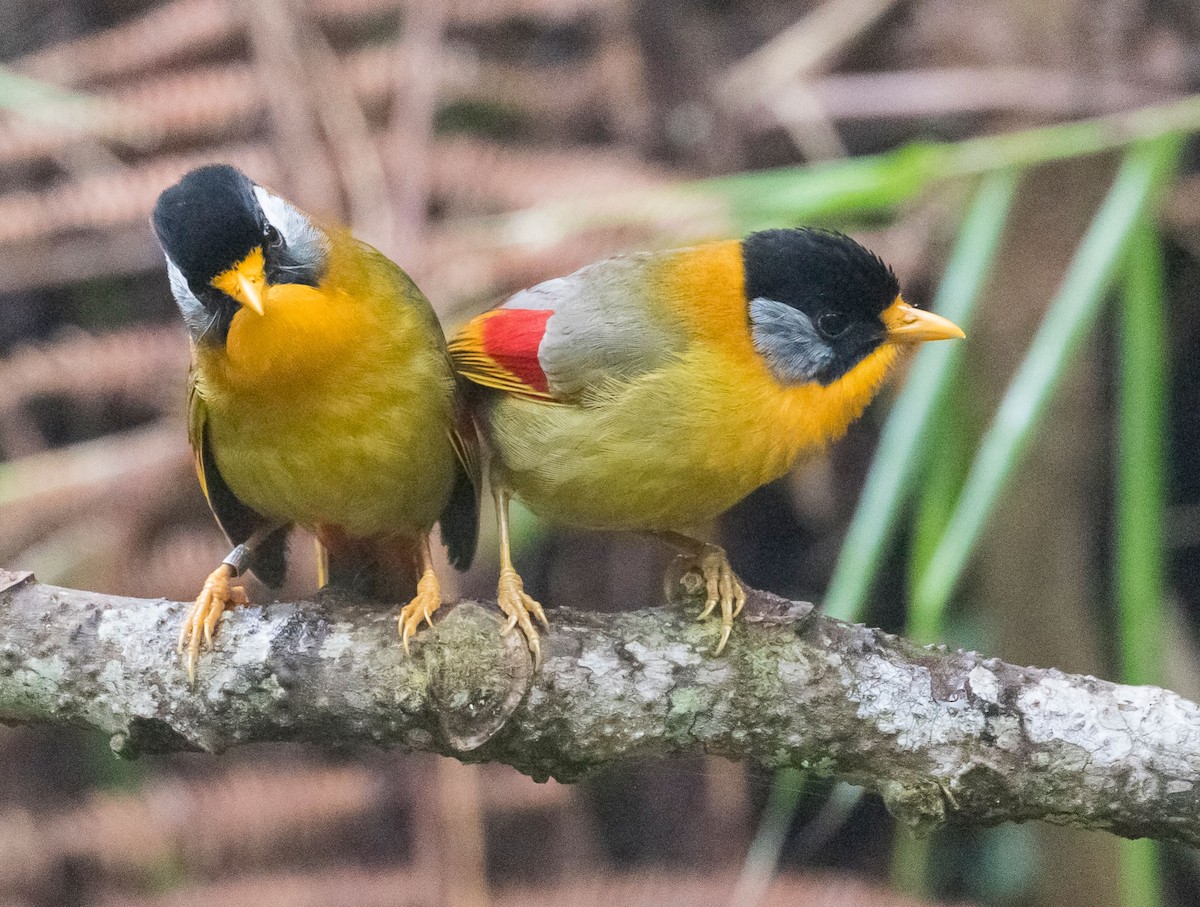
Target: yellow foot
{"x": 518, "y": 605}
{"x": 722, "y": 587}
{"x": 427, "y": 600}
{"x": 201, "y": 621}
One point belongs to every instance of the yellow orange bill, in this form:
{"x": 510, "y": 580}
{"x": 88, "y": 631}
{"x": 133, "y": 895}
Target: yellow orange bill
{"x": 251, "y": 295}
{"x": 906, "y": 324}
{"x": 246, "y": 281}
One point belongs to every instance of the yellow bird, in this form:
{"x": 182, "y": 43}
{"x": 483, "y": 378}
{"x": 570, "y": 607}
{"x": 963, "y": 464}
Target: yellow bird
{"x": 321, "y": 395}
{"x": 652, "y": 392}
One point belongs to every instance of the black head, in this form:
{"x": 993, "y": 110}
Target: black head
{"x": 208, "y": 222}
{"x": 815, "y": 299}
{"x": 211, "y": 221}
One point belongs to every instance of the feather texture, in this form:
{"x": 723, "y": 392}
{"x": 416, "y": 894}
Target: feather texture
{"x": 670, "y": 414}
{"x": 337, "y": 410}
{"x": 567, "y": 338}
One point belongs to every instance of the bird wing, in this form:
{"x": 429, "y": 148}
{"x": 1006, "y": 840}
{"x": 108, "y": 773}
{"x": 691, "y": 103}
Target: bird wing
{"x": 569, "y": 336}
{"x": 236, "y": 520}
{"x": 459, "y": 519}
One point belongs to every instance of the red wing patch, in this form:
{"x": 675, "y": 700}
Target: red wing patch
{"x": 500, "y": 349}
{"x": 512, "y": 338}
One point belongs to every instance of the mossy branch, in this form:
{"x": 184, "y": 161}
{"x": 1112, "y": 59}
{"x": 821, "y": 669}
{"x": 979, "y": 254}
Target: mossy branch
{"x": 943, "y": 736}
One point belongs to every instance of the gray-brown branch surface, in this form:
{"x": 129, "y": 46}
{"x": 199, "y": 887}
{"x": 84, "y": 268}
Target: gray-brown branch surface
{"x": 944, "y": 736}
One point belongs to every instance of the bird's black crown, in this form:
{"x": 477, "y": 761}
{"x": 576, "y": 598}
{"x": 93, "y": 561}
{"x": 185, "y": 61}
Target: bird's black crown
{"x": 818, "y": 271}
{"x": 815, "y": 300}
{"x": 208, "y": 222}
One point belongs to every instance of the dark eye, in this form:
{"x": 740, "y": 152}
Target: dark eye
{"x": 272, "y": 238}
{"x": 832, "y": 324}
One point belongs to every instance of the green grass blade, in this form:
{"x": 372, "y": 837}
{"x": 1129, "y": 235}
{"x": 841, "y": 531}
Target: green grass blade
{"x": 839, "y": 190}
{"x": 863, "y": 184}
{"x": 878, "y": 182}
{"x": 950, "y": 447}
{"x": 39, "y": 100}
{"x": 1141, "y": 508}
{"x": 1146, "y": 170}
{"x": 898, "y": 458}
{"x": 911, "y": 857}
{"x": 763, "y": 856}
{"x": 1141, "y": 476}
{"x": 1139, "y": 871}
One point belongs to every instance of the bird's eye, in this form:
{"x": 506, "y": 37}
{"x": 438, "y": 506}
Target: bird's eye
{"x": 832, "y": 324}
{"x": 272, "y": 237}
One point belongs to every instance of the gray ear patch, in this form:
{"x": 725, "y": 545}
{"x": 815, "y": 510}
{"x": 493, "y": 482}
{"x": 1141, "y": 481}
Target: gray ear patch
{"x": 304, "y": 258}
{"x": 788, "y": 340}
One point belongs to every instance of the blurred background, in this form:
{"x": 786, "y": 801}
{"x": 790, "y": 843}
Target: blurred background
{"x": 490, "y": 144}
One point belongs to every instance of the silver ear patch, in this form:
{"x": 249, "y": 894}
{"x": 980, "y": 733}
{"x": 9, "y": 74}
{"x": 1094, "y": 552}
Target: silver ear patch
{"x": 788, "y": 340}
{"x": 305, "y": 243}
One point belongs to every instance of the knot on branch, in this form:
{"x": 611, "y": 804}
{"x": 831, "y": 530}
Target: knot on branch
{"x": 477, "y": 677}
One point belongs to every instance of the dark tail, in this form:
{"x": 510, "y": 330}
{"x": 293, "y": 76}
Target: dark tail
{"x": 460, "y": 519}
{"x": 270, "y": 558}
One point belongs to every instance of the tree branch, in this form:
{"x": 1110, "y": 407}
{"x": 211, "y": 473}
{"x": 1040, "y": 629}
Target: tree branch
{"x": 943, "y": 736}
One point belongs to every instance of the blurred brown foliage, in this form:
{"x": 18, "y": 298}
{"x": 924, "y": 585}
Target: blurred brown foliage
{"x": 422, "y": 125}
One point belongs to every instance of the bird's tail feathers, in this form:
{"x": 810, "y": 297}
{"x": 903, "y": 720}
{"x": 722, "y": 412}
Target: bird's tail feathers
{"x": 383, "y": 569}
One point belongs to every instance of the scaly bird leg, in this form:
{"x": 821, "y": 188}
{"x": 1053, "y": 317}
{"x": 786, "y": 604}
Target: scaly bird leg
{"x": 427, "y": 600}
{"x": 322, "y": 564}
{"x": 217, "y": 595}
{"x": 722, "y": 587}
{"x": 510, "y": 594}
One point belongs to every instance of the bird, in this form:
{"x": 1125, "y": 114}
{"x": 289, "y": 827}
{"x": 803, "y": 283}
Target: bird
{"x": 651, "y": 392}
{"x": 320, "y": 395}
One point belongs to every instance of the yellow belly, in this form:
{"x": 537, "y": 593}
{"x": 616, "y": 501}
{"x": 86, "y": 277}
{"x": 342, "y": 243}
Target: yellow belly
{"x": 365, "y": 462}
{"x": 330, "y": 411}
{"x": 672, "y": 449}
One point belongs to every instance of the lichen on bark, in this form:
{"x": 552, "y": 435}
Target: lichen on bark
{"x": 944, "y": 736}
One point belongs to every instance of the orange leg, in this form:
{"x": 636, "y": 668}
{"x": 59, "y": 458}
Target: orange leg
{"x": 427, "y": 600}
{"x": 322, "y": 563}
{"x": 217, "y": 596}
{"x": 510, "y": 594}
{"x": 201, "y": 621}
{"x": 722, "y": 586}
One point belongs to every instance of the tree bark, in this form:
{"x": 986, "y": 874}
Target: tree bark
{"x": 943, "y": 736}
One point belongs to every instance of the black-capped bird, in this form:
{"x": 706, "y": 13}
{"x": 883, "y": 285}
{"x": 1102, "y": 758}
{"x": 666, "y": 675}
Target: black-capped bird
{"x": 321, "y": 395}
{"x": 652, "y": 392}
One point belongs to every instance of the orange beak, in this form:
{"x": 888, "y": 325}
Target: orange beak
{"x": 246, "y": 281}
{"x": 906, "y": 324}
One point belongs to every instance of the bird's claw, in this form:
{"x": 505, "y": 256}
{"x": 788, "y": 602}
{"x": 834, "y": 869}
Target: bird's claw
{"x": 427, "y": 600}
{"x": 518, "y": 605}
{"x": 200, "y": 625}
{"x": 722, "y": 587}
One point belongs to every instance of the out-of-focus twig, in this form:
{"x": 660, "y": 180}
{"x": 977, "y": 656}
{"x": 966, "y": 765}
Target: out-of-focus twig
{"x": 276, "y": 36}
{"x": 130, "y": 470}
{"x": 418, "y": 75}
{"x": 801, "y": 49}
{"x": 185, "y": 30}
{"x": 355, "y": 153}
{"x": 112, "y": 199}
{"x": 141, "y": 364}
{"x": 250, "y": 811}
{"x": 916, "y": 94}
{"x": 69, "y": 472}
{"x": 459, "y": 798}
{"x": 407, "y": 888}
{"x": 791, "y": 58}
